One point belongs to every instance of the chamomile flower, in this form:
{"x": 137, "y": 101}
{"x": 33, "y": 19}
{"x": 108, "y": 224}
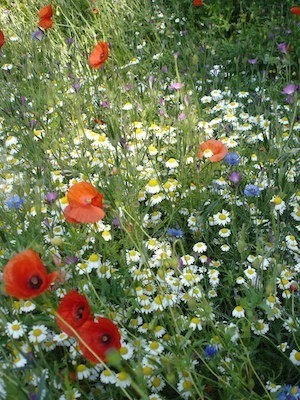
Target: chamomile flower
{"x": 195, "y": 323}
{"x": 295, "y": 357}
{"x": 222, "y": 218}
{"x": 15, "y": 329}
{"x": 82, "y": 371}
{"x": 278, "y": 204}
{"x": 38, "y": 334}
{"x": 238, "y": 312}
{"x": 260, "y": 327}
{"x": 156, "y": 383}
{"x": 155, "y": 348}
{"x": 153, "y": 186}
{"x": 122, "y": 379}
{"x": 172, "y": 163}
{"x": 199, "y": 247}
{"x": 224, "y": 232}
{"x": 108, "y": 376}
{"x": 126, "y": 351}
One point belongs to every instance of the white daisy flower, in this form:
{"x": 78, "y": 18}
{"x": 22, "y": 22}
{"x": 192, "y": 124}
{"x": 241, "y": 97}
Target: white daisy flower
{"x": 15, "y": 329}
{"x": 38, "y": 334}
{"x": 295, "y": 357}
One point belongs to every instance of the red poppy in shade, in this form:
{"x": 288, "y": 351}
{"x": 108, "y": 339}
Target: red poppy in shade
{"x": 45, "y": 15}
{"x": 2, "y": 39}
{"x": 212, "y": 149}
{"x": 74, "y": 309}
{"x": 85, "y": 204}
{"x": 198, "y": 3}
{"x": 101, "y": 337}
{"x": 25, "y": 275}
{"x": 99, "y": 55}
{"x": 295, "y": 10}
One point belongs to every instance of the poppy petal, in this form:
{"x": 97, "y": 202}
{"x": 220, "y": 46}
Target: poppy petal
{"x": 46, "y": 23}
{"x": 89, "y": 214}
{"x": 80, "y": 192}
{"x": 295, "y": 10}
{"x": 99, "y": 55}
{"x": 2, "y": 39}
{"x": 100, "y": 337}
{"x": 46, "y": 12}
{"x": 25, "y": 275}
{"x": 74, "y": 309}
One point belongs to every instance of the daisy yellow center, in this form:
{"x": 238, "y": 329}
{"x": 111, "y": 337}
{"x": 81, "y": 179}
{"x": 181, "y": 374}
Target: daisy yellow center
{"x": 156, "y": 381}
{"x": 16, "y": 327}
{"x": 153, "y": 182}
{"x": 277, "y": 201}
{"x": 222, "y": 217}
{"x": 123, "y": 350}
{"x": 187, "y": 385}
{"x": 147, "y": 371}
{"x": 81, "y": 368}
{"x": 122, "y": 376}
{"x": 37, "y": 332}
{"x": 239, "y": 308}
{"x": 154, "y": 346}
{"x": 107, "y": 372}
{"x": 94, "y": 257}
{"x": 297, "y": 356}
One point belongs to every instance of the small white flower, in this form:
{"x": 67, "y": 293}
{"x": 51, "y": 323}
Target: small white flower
{"x": 38, "y": 334}
{"x": 199, "y": 247}
{"x": 82, "y": 371}
{"x": 15, "y": 329}
{"x": 238, "y": 312}
{"x": 123, "y": 379}
{"x": 295, "y": 357}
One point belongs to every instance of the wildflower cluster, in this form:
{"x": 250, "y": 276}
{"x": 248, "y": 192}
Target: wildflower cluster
{"x": 161, "y": 192}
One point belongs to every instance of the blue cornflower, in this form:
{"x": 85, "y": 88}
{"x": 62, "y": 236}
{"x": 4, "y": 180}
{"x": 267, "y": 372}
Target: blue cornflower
{"x": 289, "y": 392}
{"x": 177, "y": 233}
{"x": 251, "y": 190}
{"x": 37, "y": 34}
{"x": 210, "y": 351}
{"x": 232, "y": 158}
{"x": 14, "y": 202}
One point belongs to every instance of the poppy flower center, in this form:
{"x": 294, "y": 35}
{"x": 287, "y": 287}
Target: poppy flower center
{"x": 79, "y": 312}
{"x": 35, "y": 282}
{"x": 105, "y": 339}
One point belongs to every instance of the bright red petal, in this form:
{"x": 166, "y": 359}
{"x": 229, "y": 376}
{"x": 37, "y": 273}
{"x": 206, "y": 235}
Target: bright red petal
{"x": 85, "y": 215}
{"x": 295, "y": 10}
{"x": 82, "y": 193}
{"x": 100, "y": 337}
{"x": 46, "y": 12}
{"x": 99, "y": 55}
{"x": 25, "y": 275}
{"x": 2, "y": 39}
{"x": 46, "y": 23}
{"x": 74, "y": 309}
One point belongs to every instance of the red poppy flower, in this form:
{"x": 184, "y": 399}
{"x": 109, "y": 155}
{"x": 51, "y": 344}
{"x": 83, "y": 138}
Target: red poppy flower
{"x": 295, "y": 10}
{"x": 25, "y": 275}
{"x": 45, "y": 15}
{"x": 198, "y": 3}
{"x": 75, "y": 310}
{"x": 2, "y": 39}
{"x": 99, "y": 55}
{"x": 212, "y": 149}
{"x": 85, "y": 204}
{"x": 101, "y": 337}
